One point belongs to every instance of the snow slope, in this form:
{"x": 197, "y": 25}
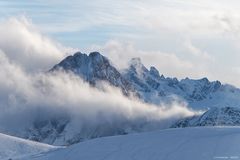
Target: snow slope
{"x": 13, "y": 147}
{"x": 203, "y": 143}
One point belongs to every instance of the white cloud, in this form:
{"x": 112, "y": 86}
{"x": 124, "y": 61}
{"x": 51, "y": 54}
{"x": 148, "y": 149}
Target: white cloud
{"x": 26, "y": 95}
{"x": 26, "y": 46}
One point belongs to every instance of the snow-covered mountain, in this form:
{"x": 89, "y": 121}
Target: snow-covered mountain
{"x": 148, "y": 84}
{"x": 199, "y": 94}
{"x": 205, "y": 143}
{"x": 226, "y": 116}
{"x": 92, "y": 68}
{"x": 17, "y": 148}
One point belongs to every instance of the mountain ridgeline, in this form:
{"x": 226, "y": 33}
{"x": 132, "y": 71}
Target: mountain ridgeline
{"x": 148, "y": 84}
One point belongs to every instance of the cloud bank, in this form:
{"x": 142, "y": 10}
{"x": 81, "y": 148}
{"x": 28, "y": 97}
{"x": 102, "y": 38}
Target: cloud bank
{"x": 27, "y": 94}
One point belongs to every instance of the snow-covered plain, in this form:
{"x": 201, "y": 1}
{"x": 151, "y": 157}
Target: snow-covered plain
{"x": 15, "y": 148}
{"x": 201, "y": 143}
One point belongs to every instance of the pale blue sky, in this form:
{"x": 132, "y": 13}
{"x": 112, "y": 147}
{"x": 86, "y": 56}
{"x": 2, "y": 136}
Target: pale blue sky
{"x": 201, "y": 36}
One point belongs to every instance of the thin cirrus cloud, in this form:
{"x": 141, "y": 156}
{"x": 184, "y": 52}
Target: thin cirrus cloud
{"x": 191, "y": 16}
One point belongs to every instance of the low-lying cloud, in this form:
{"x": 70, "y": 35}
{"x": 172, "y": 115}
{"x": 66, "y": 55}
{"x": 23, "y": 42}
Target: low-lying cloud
{"x": 27, "y": 94}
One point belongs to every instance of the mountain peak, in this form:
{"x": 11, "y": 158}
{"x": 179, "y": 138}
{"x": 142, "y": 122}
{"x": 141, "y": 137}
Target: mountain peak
{"x": 205, "y": 79}
{"x": 78, "y": 54}
{"x": 93, "y": 67}
{"x": 135, "y": 61}
{"x": 95, "y": 54}
{"x": 154, "y": 72}
{"x": 137, "y": 66}
{"x": 92, "y": 55}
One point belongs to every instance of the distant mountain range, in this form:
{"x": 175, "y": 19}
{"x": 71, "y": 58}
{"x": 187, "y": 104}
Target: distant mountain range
{"x": 147, "y": 85}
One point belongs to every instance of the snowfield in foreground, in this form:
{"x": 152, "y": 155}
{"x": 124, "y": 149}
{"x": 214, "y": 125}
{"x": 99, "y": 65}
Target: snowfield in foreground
{"x": 203, "y": 143}
{"x": 15, "y": 148}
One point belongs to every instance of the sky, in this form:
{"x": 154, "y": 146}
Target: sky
{"x": 190, "y": 38}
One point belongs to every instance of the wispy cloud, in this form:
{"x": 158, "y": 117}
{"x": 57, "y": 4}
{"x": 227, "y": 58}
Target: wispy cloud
{"x": 198, "y": 53}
